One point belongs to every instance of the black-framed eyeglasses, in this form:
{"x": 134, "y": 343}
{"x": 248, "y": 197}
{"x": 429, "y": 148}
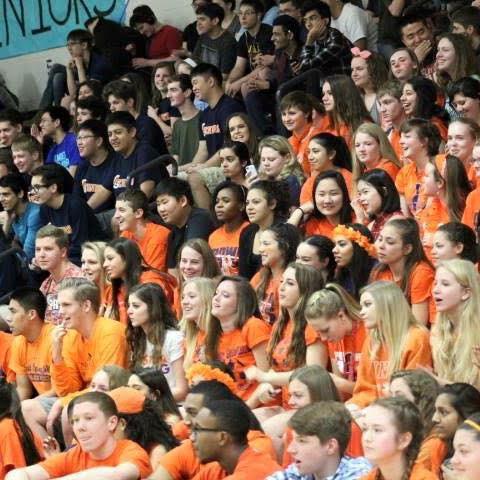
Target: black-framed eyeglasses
{"x": 36, "y": 188}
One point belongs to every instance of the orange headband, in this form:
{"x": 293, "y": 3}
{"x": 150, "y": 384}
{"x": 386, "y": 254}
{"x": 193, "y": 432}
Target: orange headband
{"x": 473, "y": 424}
{"x": 354, "y": 236}
{"x": 210, "y": 373}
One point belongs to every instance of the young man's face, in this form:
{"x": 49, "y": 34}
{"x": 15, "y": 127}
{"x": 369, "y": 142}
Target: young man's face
{"x": 42, "y": 193}
{"x": 201, "y": 86}
{"x": 19, "y": 318}
{"x": 121, "y": 139}
{"x": 176, "y": 95}
{"x": 48, "y": 254}
{"x": 170, "y": 209}
{"x": 460, "y": 29}
{"x": 118, "y": 104}
{"x": 193, "y": 404}
{"x": 9, "y": 199}
{"x": 24, "y": 161}
{"x": 309, "y": 455}
{"x": 82, "y": 114}
{"x": 87, "y": 143}
{"x": 76, "y": 48}
{"x": 415, "y": 33}
{"x": 249, "y": 18}
{"x": 391, "y": 108}
{"x": 312, "y": 19}
{"x": 48, "y": 126}
{"x": 280, "y": 37}
{"x": 288, "y": 8}
{"x": 92, "y": 428}
{"x": 9, "y": 133}
{"x": 126, "y": 216}
{"x": 205, "y": 436}
{"x": 205, "y": 24}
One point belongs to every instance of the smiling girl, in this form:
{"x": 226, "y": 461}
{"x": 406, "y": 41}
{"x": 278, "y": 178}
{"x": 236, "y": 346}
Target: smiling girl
{"x": 466, "y": 461}
{"x": 454, "y": 240}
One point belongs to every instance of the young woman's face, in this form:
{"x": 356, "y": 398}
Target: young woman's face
{"x": 431, "y": 186}
{"x": 318, "y": 157}
{"x": 225, "y": 302}
{"x": 114, "y": 264}
{"x": 327, "y": 97}
{"x": 231, "y": 165}
{"x": 136, "y": 382}
{"x": 191, "y": 302}
{"x": 137, "y": 311}
{"x": 399, "y": 388}
{"x": 443, "y": 248}
{"x": 328, "y": 197}
{"x": 460, "y": 141}
{"x": 269, "y": 251}
{"x": 100, "y": 382}
{"x": 360, "y": 75}
{"x": 367, "y": 149}
{"x": 368, "y": 311}
{"x": 369, "y": 198}
{"x": 299, "y": 394}
{"x": 308, "y": 255}
{"x": 445, "y": 418}
{"x": 411, "y": 144}
{"x": 289, "y": 291}
{"x": 331, "y": 329}
{"x": 445, "y": 55}
{"x": 343, "y": 251}
{"x": 272, "y": 162}
{"x": 447, "y": 292}
{"x": 408, "y": 99}
{"x": 238, "y": 130}
{"x": 466, "y": 460}
{"x": 467, "y": 106}
{"x": 390, "y": 246}
{"x": 380, "y": 438}
{"x": 84, "y": 92}
{"x": 402, "y": 65}
{"x": 257, "y": 206}
{"x": 294, "y": 119}
{"x": 191, "y": 263}
{"x": 227, "y": 207}
{"x": 91, "y": 266}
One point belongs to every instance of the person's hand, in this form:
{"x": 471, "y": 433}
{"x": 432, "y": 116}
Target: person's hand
{"x": 423, "y": 50}
{"x": 252, "y": 373}
{"x": 50, "y": 446}
{"x": 476, "y": 3}
{"x": 266, "y": 392}
{"x": 36, "y": 133}
{"x": 296, "y": 67}
{"x": 53, "y": 414}
{"x": 152, "y": 112}
{"x": 264, "y": 60}
{"x": 315, "y": 33}
{"x": 58, "y": 335}
{"x": 139, "y": 62}
{"x": 307, "y": 207}
{"x": 4, "y": 217}
{"x": 257, "y": 84}
{"x": 232, "y": 88}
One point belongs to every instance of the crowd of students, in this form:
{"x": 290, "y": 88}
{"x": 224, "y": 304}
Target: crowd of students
{"x": 246, "y": 251}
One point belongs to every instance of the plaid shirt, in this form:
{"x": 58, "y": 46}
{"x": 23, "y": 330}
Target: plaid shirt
{"x": 331, "y": 54}
{"x": 348, "y": 469}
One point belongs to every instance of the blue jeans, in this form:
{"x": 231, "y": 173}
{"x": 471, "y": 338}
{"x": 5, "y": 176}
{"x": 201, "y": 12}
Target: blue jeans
{"x": 56, "y": 86}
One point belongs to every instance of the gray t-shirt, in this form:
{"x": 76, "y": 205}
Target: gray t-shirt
{"x": 185, "y": 138}
{"x": 221, "y": 51}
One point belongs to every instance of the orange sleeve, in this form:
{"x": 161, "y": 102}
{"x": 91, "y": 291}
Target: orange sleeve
{"x": 390, "y": 168}
{"x": 181, "y": 431}
{"x": 421, "y": 283}
{"x": 472, "y": 207}
{"x": 18, "y": 355}
{"x": 354, "y": 447}
{"x": 181, "y": 462}
{"x": 306, "y": 193}
{"x": 130, "y": 452}
{"x": 256, "y": 331}
{"x": 211, "y": 471}
{"x": 63, "y": 463}
{"x": 261, "y": 442}
{"x": 154, "y": 246}
{"x": 109, "y": 345}
{"x": 310, "y": 336}
{"x": 417, "y": 350}
{"x": 365, "y": 390}
{"x": 433, "y": 452}
{"x": 11, "y": 453}
{"x": 5, "y": 351}
{"x": 402, "y": 179}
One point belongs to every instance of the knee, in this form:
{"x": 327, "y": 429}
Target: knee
{"x": 31, "y": 409}
{"x": 195, "y": 180}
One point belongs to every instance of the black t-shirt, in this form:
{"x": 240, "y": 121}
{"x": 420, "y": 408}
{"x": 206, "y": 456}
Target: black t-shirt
{"x": 190, "y": 35}
{"x": 88, "y": 179}
{"x": 148, "y": 131}
{"x": 77, "y": 219}
{"x": 213, "y": 122}
{"x": 200, "y": 224}
{"x": 142, "y": 154}
{"x": 249, "y": 47}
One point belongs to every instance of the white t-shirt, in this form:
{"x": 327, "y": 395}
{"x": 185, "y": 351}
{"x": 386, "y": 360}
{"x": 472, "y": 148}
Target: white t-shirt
{"x": 355, "y": 24}
{"x": 173, "y": 349}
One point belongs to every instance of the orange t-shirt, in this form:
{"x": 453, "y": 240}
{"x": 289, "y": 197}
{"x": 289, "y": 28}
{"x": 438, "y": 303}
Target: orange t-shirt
{"x": 388, "y": 166}
{"x": 251, "y": 465}
{"x": 5, "y": 353}
{"x": 433, "y": 452}
{"x": 373, "y": 374}
{"x": 33, "y": 359}
{"x": 429, "y": 219}
{"x": 153, "y": 245}
{"x": 346, "y": 353}
{"x": 225, "y": 247}
{"x": 417, "y": 473}
{"x": 472, "y": 208}
{"x": 394, "y": 137}
{"x": 442, "y": 127}
{"x": 269, "y": 305}
{"x": 76, "y": 460}
{"x": 82, "y": 357}
{"x": 319, "y": 226}
{"x": 11, "y": 452}
{"x": 300, "y": 144}
{"x": 409, "y": 183}
{"x": 306, "y": 193}
{"x": 342, "y": 131}
{"x": 280, "y": 360}
{"x": 183, "y": 463}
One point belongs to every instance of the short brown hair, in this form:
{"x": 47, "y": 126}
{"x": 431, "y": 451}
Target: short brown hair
{"x": 83, "y": 290}
{"x": 57, "y": 233}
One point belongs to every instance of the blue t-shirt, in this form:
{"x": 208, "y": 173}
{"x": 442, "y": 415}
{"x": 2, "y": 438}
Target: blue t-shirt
{"x": 149, "y": 132}
{"x": 99, "y": 68}
{"x": 25, "y": 228}
{"x": 65, "y": 153}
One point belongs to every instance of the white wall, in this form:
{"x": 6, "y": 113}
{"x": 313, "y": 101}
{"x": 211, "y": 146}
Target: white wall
{"x": 26, "y": 75}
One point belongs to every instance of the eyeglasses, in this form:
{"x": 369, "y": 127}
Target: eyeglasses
{"x": 81, "y": 139}
{"x": 196, "y": 430}
{"x": 36, "y": 188}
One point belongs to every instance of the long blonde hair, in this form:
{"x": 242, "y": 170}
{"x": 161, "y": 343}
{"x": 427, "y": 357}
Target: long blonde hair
{"x": 455, "y": 335}
{"x": 282, "y": 146}
{"x": 206, "y": 290}
{"x": 98, "y": 248}
{"x": 394, "y": 320}
{"x": 385, "y": 147}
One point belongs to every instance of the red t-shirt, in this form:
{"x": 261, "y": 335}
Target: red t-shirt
{"x": 161, "y": 44}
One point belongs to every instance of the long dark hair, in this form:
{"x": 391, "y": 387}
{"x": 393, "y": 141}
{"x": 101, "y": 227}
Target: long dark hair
{"x": 381, "y": 181}
{"x": 426, "y": 106}
{"x": 161, "y": 319}
{"x": 333, "y": 143}
{"x": 10, "y": 407}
